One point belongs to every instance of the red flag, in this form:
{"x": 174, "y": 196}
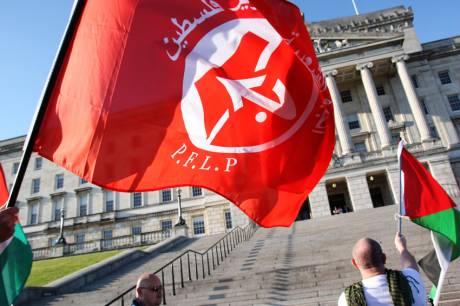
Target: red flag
{"x": 424, "y": 196}
{"x": 3, "y": 189}
{"x": 219, "y": 94}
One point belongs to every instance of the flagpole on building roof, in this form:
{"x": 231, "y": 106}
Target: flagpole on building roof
{"x": 356, "y": 8}
{"x": 46, "y": 94}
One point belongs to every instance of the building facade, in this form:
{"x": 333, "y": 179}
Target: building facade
{"x": 384, "y": 84}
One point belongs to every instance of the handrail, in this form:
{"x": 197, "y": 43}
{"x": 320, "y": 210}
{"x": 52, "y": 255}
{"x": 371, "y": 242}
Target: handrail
{"x": 217, "y": 256}
{"x": 96, "y": 245}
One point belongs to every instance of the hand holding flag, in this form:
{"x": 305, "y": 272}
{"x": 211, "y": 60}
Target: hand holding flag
{"x": 15, "y": 253}
{"x": 8, "y": 218}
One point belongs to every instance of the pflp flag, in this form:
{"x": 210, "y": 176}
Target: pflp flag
{"x": 222, "y": 94}
{"x": 15, "y": 257}
{"x": 428, "y": 205}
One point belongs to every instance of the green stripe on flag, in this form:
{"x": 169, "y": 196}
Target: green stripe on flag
{"x": 446, "y": 223}
{"x": 16, "y": 262}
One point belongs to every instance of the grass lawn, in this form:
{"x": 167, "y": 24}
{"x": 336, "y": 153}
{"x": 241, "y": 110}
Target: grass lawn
{"x": 46, "y": 271}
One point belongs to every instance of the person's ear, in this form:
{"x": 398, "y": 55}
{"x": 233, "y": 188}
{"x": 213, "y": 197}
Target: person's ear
{"x": 353, "y": 262}
{"x": 139, "y": 292}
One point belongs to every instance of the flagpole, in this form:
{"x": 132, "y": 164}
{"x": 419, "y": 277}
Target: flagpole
{"x": 401, "y": 195}
{"x": 356, "y": 8}
{"x": 46, "y": 94}
{"x": 442, "y": 277}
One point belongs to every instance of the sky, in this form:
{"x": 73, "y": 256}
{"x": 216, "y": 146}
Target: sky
{"x": 30, "y": 33}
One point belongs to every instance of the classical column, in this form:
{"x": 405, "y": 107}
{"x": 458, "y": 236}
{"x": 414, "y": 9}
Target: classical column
{"x": 376, "y": 109}
{"x": 409, "y": 90}
{"x": 319, "y": 201}
{"x": 340, "y": 124}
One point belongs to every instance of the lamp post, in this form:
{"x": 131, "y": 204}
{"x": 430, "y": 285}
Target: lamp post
{"x": 180, "y": 220}
{"x": 61, "y": 239}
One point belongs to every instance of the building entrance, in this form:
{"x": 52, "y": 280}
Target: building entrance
{"x": 339, "y": 199}
{"x": 379, "y": 189}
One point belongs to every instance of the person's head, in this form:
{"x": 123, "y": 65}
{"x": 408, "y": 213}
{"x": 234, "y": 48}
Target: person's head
{"x": 149, "y": 290}
{"x": 368, "y": 256}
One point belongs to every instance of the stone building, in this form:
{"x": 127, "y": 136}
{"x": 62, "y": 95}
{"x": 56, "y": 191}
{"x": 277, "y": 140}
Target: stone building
{"x": 384, "y": 85}
{"x": 93, "y": 213}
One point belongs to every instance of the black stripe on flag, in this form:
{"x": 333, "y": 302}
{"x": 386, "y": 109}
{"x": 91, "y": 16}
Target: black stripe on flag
{"x": 430, "y": 265}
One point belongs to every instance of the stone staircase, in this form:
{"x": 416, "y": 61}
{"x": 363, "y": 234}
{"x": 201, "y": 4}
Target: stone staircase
{"x": 104, "y": 289}
{"x": 307, "y": 264}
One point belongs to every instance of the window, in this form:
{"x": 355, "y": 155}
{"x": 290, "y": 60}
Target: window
{"x": 59, "y": 181}
{"x": 58, "y": 205}
{"x": 109, "y": 200}
{"x": 79, "y": 240}
{"x": 360, "y": 147}
{"x": 433, "y": 131}
{"x": 414, "y": 80}
{"x": 166, "y": 225}
{"x": 346, "y": 96}
{"x": 197, "y": 191}
{"x": 388, "y": 114}
{"x": 353, "y": 122}
{"x": 38, "y": 163}
{"x": 380, "y": 90}
{"x": 198, "y": 225}
{"x": 228, "y": 219}
{"x": 34, "y": 206}
{"x": 137, "y": 199}
{"x": 83, "y": 201}
{"x": 166, "y": 195}
{"x": 35, "y": 185}
{"x": 107, "y": 234}
{"x": 136, "y": 230}
{"x": 107, "y": 241}
{"x": 424, "y": 107}
{"x": 454, "y": 102}
{"x": 444, "y": 77}
{"x": 15, "y": 168}
{"x": 395, "y": 138}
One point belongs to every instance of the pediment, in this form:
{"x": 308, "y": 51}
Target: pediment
{"x": 354, "y": 31}
{"x": 345, "y": 41}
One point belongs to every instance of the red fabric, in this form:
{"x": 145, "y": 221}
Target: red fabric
{"x": 3, "y": 189}
{"x": 422, "y": 193}
{"x": 155, "y": 94}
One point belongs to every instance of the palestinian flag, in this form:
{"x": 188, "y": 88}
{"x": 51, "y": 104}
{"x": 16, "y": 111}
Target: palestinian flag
{"x": 426, "y": 203}
{"x": 15, "y": 257}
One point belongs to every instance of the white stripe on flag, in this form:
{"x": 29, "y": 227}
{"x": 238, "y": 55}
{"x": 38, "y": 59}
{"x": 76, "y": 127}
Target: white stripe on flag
{"x": 402, "y": 205}
{"x": 443, "y": 248}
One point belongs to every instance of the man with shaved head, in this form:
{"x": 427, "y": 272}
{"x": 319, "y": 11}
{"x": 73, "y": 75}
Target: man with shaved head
{"x": 149, "y": 291}
{"x": 380, "y": 286}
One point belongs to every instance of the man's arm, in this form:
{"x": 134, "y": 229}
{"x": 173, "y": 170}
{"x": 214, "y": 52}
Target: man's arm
{"x": 406, "y": 258}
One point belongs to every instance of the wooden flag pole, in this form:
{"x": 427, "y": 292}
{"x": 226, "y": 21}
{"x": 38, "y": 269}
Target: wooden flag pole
{"x": 41, "y": 108}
